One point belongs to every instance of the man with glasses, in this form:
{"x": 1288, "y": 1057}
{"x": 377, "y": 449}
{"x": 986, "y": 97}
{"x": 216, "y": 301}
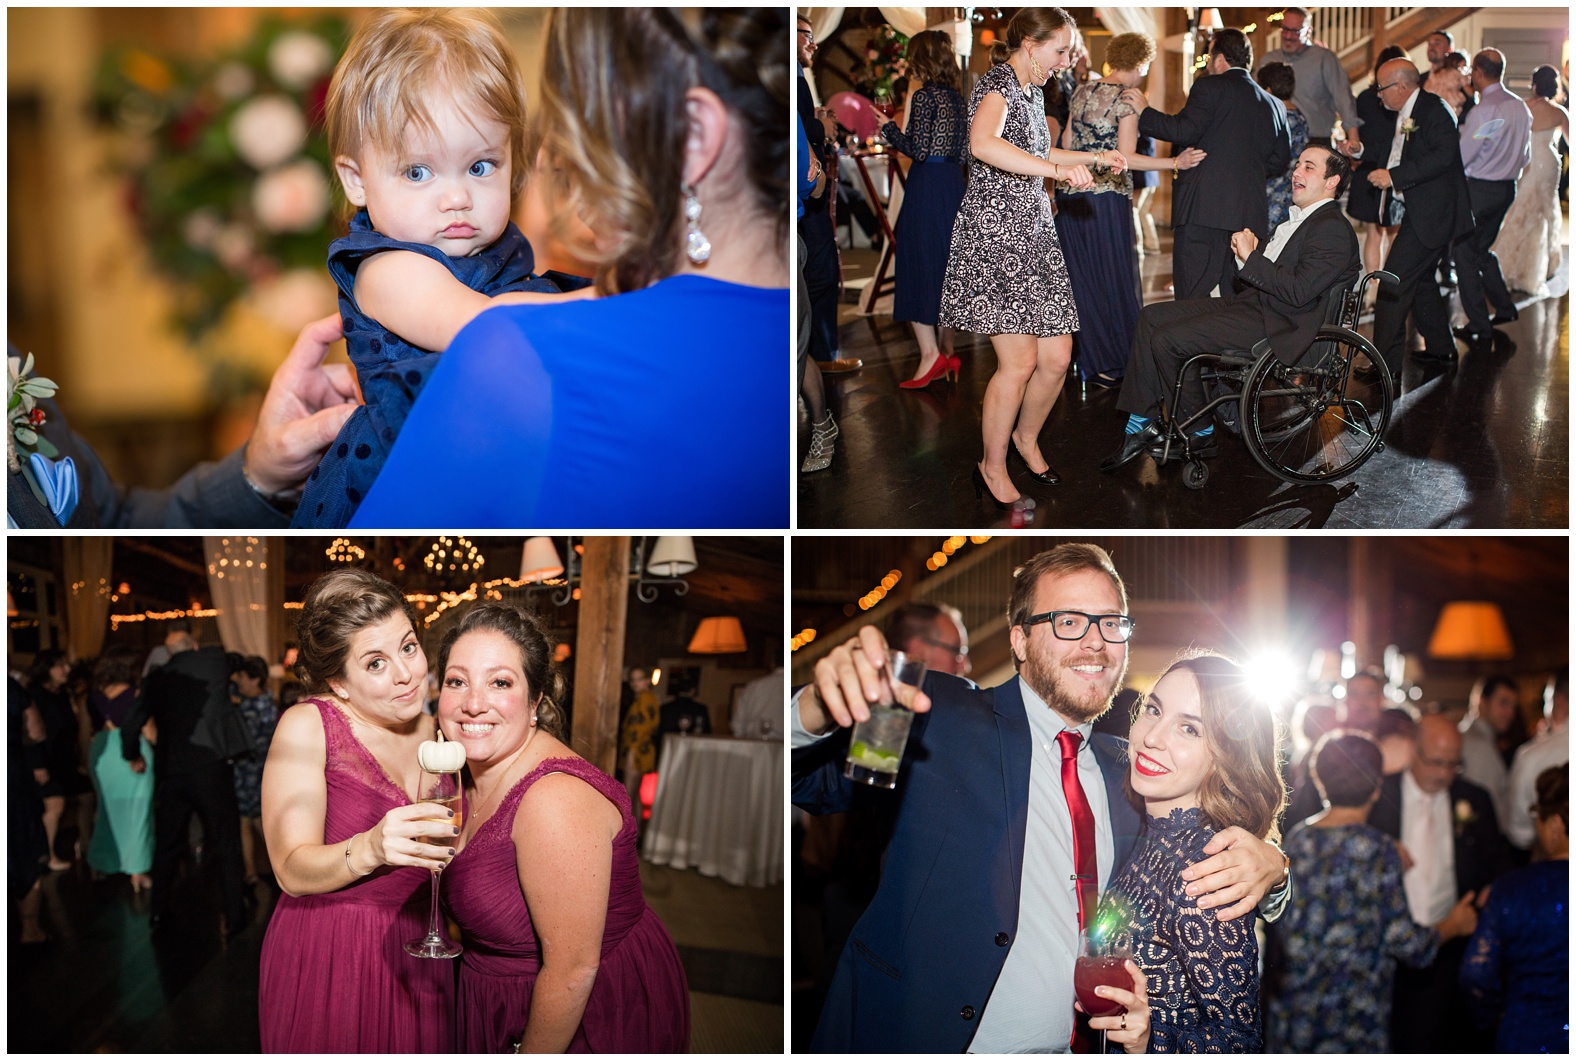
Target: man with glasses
{"x": 1424, "y": 175}
{"x": 1451, "y": 847}
{"x": 934, "y": 633}
{"x": 1006, "y": 810}
{"x": 1323, "y": 90}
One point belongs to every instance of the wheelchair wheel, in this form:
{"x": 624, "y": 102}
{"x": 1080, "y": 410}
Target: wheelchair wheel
{"x": 1312, "y": 424}
{"x": 1195, "y": 474}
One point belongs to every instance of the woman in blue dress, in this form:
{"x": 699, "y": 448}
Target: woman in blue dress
{"x": 1280, "y": 81}
{"x": 666, "y": 131}
{"x": 1517, "y": 966}
{"x": 123, "y": 833}
{"x": 1096, "y": 226}
{"x": 937, "y": 141}
{"x": 1204, "y": 752}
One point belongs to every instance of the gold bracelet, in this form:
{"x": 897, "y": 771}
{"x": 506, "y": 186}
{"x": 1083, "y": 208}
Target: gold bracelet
{"x": 1176, "y": 164}
{"x": 348, "y": 866}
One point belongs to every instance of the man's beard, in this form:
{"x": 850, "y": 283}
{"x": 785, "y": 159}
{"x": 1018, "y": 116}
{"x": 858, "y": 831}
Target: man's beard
{"x": 1054, "y": 688}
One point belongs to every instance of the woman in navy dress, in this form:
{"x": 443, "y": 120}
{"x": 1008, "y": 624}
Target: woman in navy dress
{"x": 1203, "y": 757}
{"x": 937, "y": 141}
{"x": 1517, "y": 966}
{"x": 663, "y": 398}
{"x": 1280, "y": 81}
{"x": 1096, "y": 226}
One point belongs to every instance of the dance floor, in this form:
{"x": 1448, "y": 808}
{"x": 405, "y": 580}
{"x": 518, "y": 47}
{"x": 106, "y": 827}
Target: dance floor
{"x": 1484, "y": 443}
{"x": 106, "y": 984}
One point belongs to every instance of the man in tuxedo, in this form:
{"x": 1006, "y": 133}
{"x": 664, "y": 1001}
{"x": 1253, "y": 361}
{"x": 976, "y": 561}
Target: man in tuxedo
{"x": 189, "y": 699}
{"x": 1424, "y": 174}
{"x": 1283, "y": 284}
{"x": 255, "y": 486}
{"x": 971, "y": 939}
{"x": 1496, "y": 145}
{"x": 1453, "y": 849}
{"x": 1242, "y": 130}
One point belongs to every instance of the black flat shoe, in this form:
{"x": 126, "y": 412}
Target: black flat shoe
{"x": 1445, "y": 357}
{"x": 982, "y": 491}
{"x": 1105, "y": 383}
{"x": 1471, "y": 335}
{"x": 1132, "y": 446}
{"x": 1506, "y": 318}
{"x": 1046, "y": 478}
{"x": 1370, "y": 374}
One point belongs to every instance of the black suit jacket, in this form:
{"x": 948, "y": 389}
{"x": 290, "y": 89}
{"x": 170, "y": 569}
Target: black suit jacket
{"x": 211, "y": 495}
{"x": 1479, "y": 847}
{"x": 1431, "y": 177}
{"x": 1243, "y": 130}
{"x": 177, "y": 696}
{"x": 1290, "y": 290}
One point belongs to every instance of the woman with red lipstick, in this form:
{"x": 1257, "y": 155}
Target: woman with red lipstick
{"x": 345, "y": 836}
{"x": 1203, "y": 753}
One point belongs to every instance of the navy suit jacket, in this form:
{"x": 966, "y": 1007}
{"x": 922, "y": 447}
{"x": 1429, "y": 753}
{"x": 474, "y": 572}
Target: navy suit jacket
{"x": 922, "y": 961}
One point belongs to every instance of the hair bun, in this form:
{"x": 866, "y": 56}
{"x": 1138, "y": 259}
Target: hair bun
{"x": 999, "y": 52}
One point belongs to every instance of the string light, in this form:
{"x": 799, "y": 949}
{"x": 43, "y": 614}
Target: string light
{"x": 453, "y": 554}
{"x": 231, "y": 562}
{"x": 345, "y": 551}
{"x": 116, "y": 621}
{"x": 802, "y": 638}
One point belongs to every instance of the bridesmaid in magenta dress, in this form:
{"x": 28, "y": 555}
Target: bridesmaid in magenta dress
{"x": 342, "y": 832}
{"x": 562, "y": 954}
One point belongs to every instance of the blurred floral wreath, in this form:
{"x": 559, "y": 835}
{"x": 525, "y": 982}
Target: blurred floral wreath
{"x": 227, "y": 168}
{"x": 885, "y": 61}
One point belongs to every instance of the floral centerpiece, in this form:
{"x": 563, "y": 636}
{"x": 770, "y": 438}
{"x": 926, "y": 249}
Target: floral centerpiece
{"x": 227, "y": 169}
{"x": 884, "y": 62}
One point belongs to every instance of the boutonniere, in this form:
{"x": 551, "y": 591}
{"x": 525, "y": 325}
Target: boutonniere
{"x": 1465, "y": 815}
{"x": 1408, "y": 127}
{"x": 28, "y": 453}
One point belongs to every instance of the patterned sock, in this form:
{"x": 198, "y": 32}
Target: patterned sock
{"x": 1136, "y": 423}
{"x": 1210, "y": 430}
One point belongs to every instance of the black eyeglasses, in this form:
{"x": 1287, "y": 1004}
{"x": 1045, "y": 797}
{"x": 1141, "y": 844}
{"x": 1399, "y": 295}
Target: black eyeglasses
{"x": 1386, "y": 88}
{"x": 1455, "y": 766}
{"x": 961, "y": 652}
{"x": 1071, "y": 626}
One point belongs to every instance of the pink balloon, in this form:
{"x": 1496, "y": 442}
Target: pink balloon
{"x": 857, "y": 113}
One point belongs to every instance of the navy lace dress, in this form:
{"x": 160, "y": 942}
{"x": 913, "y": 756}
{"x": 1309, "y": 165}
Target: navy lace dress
{"x": 1279, "y": 188}
{"x": 937, "y": 141}
{"x": 1203, "y": 972}
{"x": 392, "y": 371}
{"x": 1333, "y": 953}
{"x": 1517, "y": 966}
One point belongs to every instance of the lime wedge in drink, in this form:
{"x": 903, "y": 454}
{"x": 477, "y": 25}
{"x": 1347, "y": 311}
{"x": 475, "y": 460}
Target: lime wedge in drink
{"x": 873, "y": 758}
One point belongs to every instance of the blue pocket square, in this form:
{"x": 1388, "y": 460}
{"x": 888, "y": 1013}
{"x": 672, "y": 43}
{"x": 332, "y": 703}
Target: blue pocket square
{"x": 58, "y": 479}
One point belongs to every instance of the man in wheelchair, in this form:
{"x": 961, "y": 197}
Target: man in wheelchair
{"x": 1280, "y": 290}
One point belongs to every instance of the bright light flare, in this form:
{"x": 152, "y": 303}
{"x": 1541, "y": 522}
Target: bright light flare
{"x": 1273, "y": 676}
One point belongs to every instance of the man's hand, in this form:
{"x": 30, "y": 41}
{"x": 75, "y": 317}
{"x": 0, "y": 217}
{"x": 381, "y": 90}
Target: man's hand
{"x": 851, "y": 677}
{"x": 1407, "y": 861}
{"x": 1379, "y": 178}
{"x": 1240, "y": 870}
{"x": 1352, "y": 146}
{"x": 306, "y": 405}
{"x": 1243, "y": 243}
{"x": 138, "y": 765}
{"x": 1135, "y": 99}
{"x": 41, "y": 776}
{"x": 828, "y": 121}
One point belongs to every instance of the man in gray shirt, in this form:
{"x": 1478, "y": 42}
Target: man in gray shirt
{"x": 1323, "y": 89}
{"x": 1496, "y": 145}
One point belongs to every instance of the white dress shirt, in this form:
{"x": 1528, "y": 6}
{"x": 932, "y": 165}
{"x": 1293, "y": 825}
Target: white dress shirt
{"x": 1398, "y": 141}
{"x": 1532, "y": 758}
{"x": 1426, "y": 833}
{"x": 1283, "y": 231}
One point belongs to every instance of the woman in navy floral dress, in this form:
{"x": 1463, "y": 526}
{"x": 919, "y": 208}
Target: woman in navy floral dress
{"x": 1280, "y": 81}
{"x": 1203, "y": 757}
{"x": 1333, "y": 954}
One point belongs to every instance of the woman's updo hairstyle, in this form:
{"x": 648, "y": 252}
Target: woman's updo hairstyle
{"x": 542, "y": 679}
{"x": 1546, "y": 82}
{"x": 614, "y": 123}
{"x": 337, "y": 607}
{"x": 1029, "y": 24}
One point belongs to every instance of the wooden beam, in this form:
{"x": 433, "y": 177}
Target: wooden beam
{"x": 599, "y": 663}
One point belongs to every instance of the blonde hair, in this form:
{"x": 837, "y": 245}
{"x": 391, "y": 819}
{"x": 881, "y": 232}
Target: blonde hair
{"x": 613, "y": 124}
{"x": 401, "y": 57}
{"x": 1129, "y": 51}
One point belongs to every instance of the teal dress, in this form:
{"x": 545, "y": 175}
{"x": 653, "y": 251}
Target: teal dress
{"x": 123, "y": 835}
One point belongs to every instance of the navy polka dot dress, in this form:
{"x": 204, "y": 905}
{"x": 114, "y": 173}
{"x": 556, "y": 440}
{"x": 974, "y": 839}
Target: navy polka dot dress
{"x": 391, "y": 370}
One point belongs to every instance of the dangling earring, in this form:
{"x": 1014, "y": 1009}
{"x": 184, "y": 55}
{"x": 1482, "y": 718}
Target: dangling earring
{"x": 1036, "y": 72}
{"x": 696, "y": 245}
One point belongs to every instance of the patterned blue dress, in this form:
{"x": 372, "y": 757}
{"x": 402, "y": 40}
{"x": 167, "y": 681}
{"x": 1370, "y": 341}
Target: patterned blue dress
{"x": 1333, "y": 953}
{"x": 1517, "y": 966}
{"x": 937, "y": 141}
{"x": 261, "y": 715}
{"x": 1279, "y": 188}
{"x": 1203, "y": 972}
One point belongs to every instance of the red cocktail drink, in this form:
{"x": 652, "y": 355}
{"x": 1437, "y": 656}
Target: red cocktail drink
{"x": 1091, "y": 973}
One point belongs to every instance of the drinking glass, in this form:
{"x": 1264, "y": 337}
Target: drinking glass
{"x": 1100, "y": 962}
{"x": 875, "y": 749}
{"x": 444, "y": 790}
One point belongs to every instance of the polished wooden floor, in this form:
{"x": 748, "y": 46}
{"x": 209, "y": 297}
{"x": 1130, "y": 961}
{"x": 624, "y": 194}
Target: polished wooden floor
{"x": 105, "y": 983}
{"x": 1483, "y": 443}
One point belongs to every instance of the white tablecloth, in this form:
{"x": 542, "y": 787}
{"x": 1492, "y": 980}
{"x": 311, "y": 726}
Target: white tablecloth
{"x": 719, "y": 809}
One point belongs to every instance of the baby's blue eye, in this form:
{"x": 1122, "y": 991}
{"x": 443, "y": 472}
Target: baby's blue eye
{"x": 483, "y": 168}
{"x": 417, "y": 173}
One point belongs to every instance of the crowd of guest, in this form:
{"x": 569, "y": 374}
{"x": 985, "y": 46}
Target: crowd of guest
{"x": 1426, "y": 918}
{"x": 1455, "y": 186}
{"x": 111, "y": 757}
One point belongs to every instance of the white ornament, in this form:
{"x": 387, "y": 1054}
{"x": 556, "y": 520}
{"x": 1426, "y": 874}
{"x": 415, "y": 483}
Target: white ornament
{"x": 267, "y": 131}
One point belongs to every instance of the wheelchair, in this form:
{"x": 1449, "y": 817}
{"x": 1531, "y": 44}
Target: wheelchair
{"x": 1315, "y": 420}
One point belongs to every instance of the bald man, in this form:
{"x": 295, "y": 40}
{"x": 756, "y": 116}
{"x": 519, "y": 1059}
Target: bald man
{"x": 1453, "y": 848}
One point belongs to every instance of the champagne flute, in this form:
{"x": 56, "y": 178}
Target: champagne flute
{"x": 444, "y": 790}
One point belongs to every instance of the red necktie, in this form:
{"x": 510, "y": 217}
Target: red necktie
{"x": 1083, "y": 825}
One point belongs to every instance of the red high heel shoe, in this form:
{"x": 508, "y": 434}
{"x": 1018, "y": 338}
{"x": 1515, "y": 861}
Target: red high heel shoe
{"x": 956, "y": 363}
{"x": 938, "y": 370}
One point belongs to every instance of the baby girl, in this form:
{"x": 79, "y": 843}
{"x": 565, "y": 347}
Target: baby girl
{"x": 426, "y": 126}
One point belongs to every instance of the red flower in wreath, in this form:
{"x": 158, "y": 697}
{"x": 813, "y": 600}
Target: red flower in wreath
{"x": 36, "y": 418}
